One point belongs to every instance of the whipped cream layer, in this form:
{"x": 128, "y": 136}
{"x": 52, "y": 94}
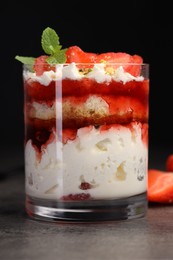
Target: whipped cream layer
{"x": 98, "y": 73}
{"x": 113, "y": 162}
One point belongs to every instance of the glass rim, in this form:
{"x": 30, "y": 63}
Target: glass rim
{"x": 92, "y": 63}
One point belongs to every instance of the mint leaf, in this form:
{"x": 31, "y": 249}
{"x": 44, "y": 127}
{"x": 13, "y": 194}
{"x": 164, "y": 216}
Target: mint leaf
{"x": 25, "y": 60}
{"x": 49, "y": 41}
{"x": 58, "y": 48}
{"x": 58, "y": 57}
{"x": 51, "y": 46}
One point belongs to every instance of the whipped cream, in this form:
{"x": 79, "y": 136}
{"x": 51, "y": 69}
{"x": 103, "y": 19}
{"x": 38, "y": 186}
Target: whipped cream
{"x": 112, "y": 161}
{"x": 71, "y": 71}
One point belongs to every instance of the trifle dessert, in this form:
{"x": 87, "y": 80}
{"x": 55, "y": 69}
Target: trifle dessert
{"x": 86, "y": 132}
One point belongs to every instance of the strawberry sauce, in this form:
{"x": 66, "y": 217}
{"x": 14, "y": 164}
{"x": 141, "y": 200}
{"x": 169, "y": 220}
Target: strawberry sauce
{"x": 126, "y": 103}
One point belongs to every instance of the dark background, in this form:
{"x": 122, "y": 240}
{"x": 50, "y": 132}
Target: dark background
{"x": 135, "y": 27}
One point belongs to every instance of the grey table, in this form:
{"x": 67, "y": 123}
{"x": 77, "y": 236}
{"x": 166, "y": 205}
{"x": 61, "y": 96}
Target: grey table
{"x": 150, "y": 237}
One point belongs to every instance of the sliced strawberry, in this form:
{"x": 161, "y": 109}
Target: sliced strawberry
{"x": 41, "y": 65}
{"x": 124, "y": 59}
{"x": 114, "y": 57}
{"x": 169, "y": 163}
{"x": 160, "y": 186}
{"x": 76, "y": 54}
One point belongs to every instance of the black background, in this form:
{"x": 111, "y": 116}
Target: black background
{"x": 135, "y": 27}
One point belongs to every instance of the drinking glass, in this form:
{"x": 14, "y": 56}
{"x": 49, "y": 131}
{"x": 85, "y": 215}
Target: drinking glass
{"x": 86, "y": 141}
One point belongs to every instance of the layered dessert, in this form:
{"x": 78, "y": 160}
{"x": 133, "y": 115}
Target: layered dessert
{"x": 86, "y": 126}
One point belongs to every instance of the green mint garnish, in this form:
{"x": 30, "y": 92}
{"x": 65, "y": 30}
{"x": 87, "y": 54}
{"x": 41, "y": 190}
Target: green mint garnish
{"x": 25, "y": 60}
{"x": 58, "y": 57}
{"x": 51, "y": 46}
{"x": 50, "y": 41}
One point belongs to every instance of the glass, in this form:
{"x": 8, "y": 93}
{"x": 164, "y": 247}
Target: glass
{"x": 86, "y": 142}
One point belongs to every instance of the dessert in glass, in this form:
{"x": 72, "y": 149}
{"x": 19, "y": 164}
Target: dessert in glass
{"x": 86, "y": 134}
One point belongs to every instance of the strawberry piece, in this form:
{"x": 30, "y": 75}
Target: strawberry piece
{"x": 160, "y": 186}
{"x": 41, "y": 65}
{"x": 117, "y": 57}
{"x": 124, "y": 59}
{"x": 76, "y": 54}
{"x": 169, "y": 163}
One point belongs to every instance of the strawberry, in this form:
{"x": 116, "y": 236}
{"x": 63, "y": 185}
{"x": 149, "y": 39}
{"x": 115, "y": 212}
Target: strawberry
{"x": 122, "y": 59}
{"x": 41, "y": 65}
{"x": 114, "y": 57}
{"x": 160, "y": 186}
{"x": 169, "y": 163}
{"x": 76, "y": 54}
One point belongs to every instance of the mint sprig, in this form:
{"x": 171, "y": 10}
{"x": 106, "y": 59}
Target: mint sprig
{"x": 51, "y": 46}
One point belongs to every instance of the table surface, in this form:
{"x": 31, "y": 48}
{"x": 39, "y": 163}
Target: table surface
{"x": 150, "y": 237}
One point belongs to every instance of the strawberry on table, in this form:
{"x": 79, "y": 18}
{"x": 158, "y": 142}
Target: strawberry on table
{"x": 160, "y": 186}
{"x": 169, "y": 163}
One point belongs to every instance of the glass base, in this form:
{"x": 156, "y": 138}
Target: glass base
{"x": 87, "y": 211}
